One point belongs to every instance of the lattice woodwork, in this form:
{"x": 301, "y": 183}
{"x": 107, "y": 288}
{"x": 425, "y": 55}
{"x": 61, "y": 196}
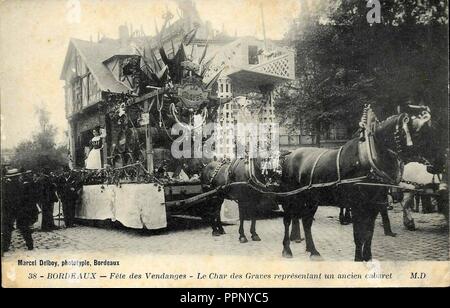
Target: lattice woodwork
{"x": 281, "y": 66}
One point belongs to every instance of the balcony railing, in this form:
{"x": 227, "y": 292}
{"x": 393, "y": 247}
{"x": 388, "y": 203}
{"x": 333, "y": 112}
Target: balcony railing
{"x": 281, "y": 66}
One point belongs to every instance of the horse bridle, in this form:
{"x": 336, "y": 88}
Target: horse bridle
{"x": 402, "y": 131}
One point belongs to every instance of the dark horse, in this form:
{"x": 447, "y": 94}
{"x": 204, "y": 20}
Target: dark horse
{"x": 353, "y": 176}
{"x": 222, "y": 174}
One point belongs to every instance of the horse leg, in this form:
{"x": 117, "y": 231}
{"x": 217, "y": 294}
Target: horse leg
{"x": 287, "y": 252}
{"x": 218, "y": 221}
{"x": 341, "y": 215}
{"x": 386, "y": 222}
{"x": 296, "y": 234}
{"x": 358, "y": 236}
{"x": 345, "y": 216}
{"x": 307, "y": 223}
{"x": 211, "y": 218}
{"x": 242, "y": 237}
{"x": 255, "y": 236}
{"x": 219, "y": 224}
{"x": 407, "y": 207}
{"x": 348, "y": 216}
{"x": 370, "y": 226}
{"x": 251, "y": 209}
{"x": 427, "y": 207}
{"x": 215, "y": 231}
{"x": 417, "y": 202}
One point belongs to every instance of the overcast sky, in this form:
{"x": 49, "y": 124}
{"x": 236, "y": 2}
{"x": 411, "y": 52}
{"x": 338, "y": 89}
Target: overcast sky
{"x": 34, "y": 36}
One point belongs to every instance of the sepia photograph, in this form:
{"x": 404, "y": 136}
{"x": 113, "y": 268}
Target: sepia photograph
{"x": 225, "y": 144}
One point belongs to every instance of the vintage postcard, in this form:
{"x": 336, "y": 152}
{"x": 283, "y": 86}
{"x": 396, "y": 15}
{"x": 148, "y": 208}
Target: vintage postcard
{"x": 233, "y": 143}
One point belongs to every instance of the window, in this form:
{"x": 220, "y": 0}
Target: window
{"x": 93, "y": 89}
{"x": 334, "y": 131}
{"x": 340, "y": 131}
{"x": 226, "y": 88}
{"x": 76, "y": 94}
{"x": 284, "y": 140}
{"x": 79, "y": 65}
{"x": 294, "y": 140}
{"x": 306, "y": 129}
{"x": 253, "y": 54}
{"x": 69, "y": 105}
{"x": 85, "y": 90}
{"x": 221, "y": 87}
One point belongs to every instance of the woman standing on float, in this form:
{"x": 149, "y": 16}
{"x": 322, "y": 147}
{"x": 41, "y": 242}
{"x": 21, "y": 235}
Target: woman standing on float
{"x": 94, "y": 159}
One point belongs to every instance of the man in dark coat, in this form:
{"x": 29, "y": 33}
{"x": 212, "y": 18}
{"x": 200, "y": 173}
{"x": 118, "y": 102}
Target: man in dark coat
{"x": 47, "y": 200}
{"x": 19, "y": 205}
{"x": 27, "y": 213}
{"x": 10, "y": 199}
{"x": 68, "y": 188}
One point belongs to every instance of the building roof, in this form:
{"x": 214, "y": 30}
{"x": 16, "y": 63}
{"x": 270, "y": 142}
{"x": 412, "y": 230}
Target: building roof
{"x": 93, "y": 55}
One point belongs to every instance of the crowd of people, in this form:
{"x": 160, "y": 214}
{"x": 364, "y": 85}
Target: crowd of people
{"x": 25, "y": 194}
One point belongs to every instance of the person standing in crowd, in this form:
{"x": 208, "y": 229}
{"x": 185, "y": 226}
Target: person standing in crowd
{"x": 19, "y": 205}
{"x": 10, "y": 198}
{"x": 68, "y": 188}
{"x": 443, "y": 204}
{"x": 27, "y": 213}
{"x": 47, "y": 200}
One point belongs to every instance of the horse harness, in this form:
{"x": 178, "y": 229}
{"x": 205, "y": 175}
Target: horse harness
{"x": 216, "y": 171}
{"x": 367, "y": 157}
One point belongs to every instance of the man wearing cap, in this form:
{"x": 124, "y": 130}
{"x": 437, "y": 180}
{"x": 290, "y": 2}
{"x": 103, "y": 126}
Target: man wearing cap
{"x": 19, "y": 205}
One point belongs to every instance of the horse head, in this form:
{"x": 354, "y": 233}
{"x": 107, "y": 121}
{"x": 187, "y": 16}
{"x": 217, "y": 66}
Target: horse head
{"x": 430, "y": 150}
{"x": 412, "y": 137}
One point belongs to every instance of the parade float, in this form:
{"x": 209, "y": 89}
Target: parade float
{"x": 124, "y": 95}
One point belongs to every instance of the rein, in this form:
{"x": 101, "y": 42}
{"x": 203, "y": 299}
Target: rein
{"x": 367, "y": 156}
{"x": 339, "y": 181}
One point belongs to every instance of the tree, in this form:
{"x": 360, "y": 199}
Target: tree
{"x": 343, "y": 62}
{"x": 41, "y": 152}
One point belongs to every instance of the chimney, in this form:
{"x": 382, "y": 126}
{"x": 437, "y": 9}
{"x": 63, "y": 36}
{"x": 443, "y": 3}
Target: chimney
{"x": 124, "y": 35}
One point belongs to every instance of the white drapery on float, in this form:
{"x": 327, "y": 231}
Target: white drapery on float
{"x": 133, "y": 205}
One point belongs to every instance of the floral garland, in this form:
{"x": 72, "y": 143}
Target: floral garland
{"x": 118, "y": 106}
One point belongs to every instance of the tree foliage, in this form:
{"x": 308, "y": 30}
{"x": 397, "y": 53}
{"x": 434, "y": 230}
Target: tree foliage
{"x": 343, "y": 62}
{"x": 41, "y": 151}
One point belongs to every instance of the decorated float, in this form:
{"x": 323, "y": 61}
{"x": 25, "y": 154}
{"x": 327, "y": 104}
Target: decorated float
{"x": 123, "y": 96}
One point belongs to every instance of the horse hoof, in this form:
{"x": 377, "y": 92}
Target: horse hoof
{"x": 316, "y": 257}
{"x": 299, "y": 240}
{"x": 216, "y": 233}
{"x": 256, "y": 238}
{"x": 222, "y": 231}
{"x": 391, "y": 234}
{"x": 287, "y": 254}
{"x": 410, "y": 226}
{"x": 243, "y": 239}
